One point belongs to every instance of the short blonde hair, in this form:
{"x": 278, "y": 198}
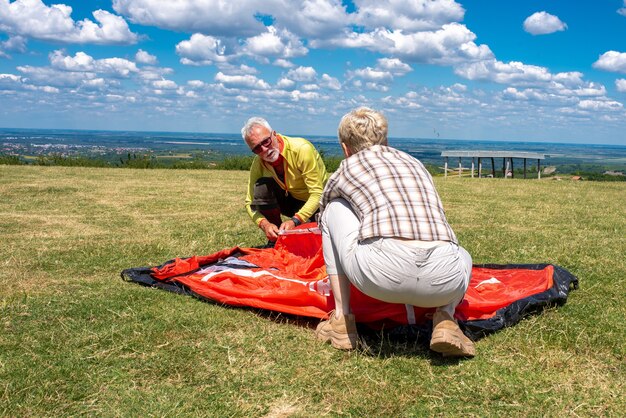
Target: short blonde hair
{"x": 362, "y": 128}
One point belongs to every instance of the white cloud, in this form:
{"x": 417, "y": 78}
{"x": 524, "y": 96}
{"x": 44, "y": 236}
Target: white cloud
{"x": 10, "y": 82}
{"x": 302, "y": 74}
{"x": 393, "y": 65}
{"x": 416, "y": 15}
{"x": 165, "y": 84}
{"x": 14, "y": 43}
{"x": 600, "y": 105}
{"x": 542, "y": 23}
{"x": 245, "y": 81}
{"x": 515, "y": 73}
{"x": 286, "y": 84}
{"x": 612, "y": 61}
{"x": 297, "y": 95}
{"x": 283, "y": 63}
{"x": 209, "y": 17}
{"x": 202, "y": 50}
{"x": 144, "y": 57}
{"x": 33, "y": 19}
{"x": 372, "y": 74}
{"x": 119, "y": 67}
{"x": 620, "y": 84}
{"x": 275, "y": 42}
{"x": 622, "y": 10}
{"x": 196, "y": 84}
{"x": 311, "y": 18}
{"x": 55, "y": 77}
{"x": 451, "y": 44}
{"x": 330, "y": 83}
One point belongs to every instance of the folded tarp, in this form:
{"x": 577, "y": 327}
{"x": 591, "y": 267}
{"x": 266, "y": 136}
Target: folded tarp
{"x": 291, "y": 278}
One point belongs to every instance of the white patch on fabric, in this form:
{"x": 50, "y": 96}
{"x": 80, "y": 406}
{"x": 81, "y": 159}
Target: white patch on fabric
{"x": 492, "y": 280}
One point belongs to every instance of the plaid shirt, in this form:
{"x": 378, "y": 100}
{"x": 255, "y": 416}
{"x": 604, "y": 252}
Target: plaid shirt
{"x": 392, "y": 194}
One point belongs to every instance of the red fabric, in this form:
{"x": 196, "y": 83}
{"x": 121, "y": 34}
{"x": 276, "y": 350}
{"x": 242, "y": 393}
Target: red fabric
{"x": 291, "y": 278}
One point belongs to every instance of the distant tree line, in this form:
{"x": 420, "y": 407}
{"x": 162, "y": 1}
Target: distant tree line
{"x": 243, "y": 162}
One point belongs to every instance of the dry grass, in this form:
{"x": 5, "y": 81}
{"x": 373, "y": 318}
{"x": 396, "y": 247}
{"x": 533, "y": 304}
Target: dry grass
{"x": 76, "y": 340}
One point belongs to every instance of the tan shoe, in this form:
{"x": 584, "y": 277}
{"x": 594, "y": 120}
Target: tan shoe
{"x": 448, "y": 338}
{"x": 340, "y": 332}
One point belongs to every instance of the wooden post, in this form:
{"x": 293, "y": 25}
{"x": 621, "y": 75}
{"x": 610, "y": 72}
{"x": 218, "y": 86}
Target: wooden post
{"x": 512, "y": 168}
{"x": 480, "y": 166}
{"x": 504, "y": 167}
{"x": 524, "y": 167}
{"x": 472, "y": 167}
{"x": 445, "y": 168}
{"x": 538, "y": 169}
{"x": 460, "y": 167}
{"x": 493, "y": 168}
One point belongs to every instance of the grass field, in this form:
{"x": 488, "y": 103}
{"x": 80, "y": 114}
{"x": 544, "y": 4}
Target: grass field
{"x": 77, "y": 340}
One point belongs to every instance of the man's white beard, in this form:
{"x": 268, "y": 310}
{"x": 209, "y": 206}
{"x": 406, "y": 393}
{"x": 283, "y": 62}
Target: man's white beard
{"x": 271, "y": 155}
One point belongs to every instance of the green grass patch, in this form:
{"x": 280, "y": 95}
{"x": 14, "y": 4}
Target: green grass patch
{"x": 77, "y": 340}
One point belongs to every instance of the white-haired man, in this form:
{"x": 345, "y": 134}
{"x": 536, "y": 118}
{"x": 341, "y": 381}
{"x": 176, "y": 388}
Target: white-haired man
{"x": 287, "y": 178}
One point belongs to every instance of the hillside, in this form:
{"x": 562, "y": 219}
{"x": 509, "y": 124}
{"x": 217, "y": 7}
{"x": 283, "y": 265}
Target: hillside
{"x": 77, "y": 340}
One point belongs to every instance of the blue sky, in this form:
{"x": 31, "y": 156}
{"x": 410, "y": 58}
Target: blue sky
{"x": 552, "y": 71}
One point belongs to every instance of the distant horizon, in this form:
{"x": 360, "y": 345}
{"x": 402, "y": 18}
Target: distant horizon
{"x": 530, "y": 141}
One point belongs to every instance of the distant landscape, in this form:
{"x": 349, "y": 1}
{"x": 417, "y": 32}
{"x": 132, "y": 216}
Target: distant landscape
{"x": 227, "y": 151}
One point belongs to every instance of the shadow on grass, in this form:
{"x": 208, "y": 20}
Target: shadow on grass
{"x": 402, "y": 341}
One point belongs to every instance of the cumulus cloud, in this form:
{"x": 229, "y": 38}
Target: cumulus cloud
{"x": 451, "y": 44}
{"x": 286, "y": 84}
{"x": 275, "y": 42}
{"x": 517, "y": 73}
{"x": 202, "y": 50}
{"x": 14, "y": 44}
{"x": 393, "y": 65}
{"x": 302, "y": 74}
{"x": 10, "y": 82}
{"x": 144, "y": 57}
{"x": 244, "y": 81}
{"x": 330, "y": 83}
{"x": 620, "y": 84}
{"x": 622, "y": 10}
{"x": 118, "y": 67}
{"x": 164, "y": 84}
{"x": 34, "y": 19}
{"x": 208, "y": 17}
{"x": 543, "y": 23}
{"x": 412, "y": 16}
{"x": 380, "y": 76}
{"x": 311, "y": 18}
{"x": 283, "y": 63}
{"x": 600, "y": 105}
{"x": 612, "y": 61}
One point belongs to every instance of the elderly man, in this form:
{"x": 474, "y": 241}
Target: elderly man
{"x": 287, "y": 177}
{"x": 384, "y": 230}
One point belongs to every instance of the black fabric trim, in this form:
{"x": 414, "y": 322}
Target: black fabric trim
{"x": 563, "y": 282}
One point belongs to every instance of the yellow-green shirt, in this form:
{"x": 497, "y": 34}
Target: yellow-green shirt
{"x": 305, "y": 176}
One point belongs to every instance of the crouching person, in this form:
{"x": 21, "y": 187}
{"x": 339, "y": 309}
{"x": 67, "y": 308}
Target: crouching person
{"x": 384, "y": 230}
{"x": 287, "y": 177}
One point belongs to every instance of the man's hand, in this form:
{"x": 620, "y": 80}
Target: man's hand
{"x": 271, "y": 230}
{"x": 287, "y": 225}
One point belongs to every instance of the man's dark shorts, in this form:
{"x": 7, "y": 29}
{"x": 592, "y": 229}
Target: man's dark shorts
{"x": 269, "y": 195}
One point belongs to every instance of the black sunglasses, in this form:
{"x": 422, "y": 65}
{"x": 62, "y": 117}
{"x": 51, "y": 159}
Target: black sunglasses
{"x": 263, "y": 144}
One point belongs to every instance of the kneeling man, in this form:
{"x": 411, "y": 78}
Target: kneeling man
{"x": 287, "y": 177}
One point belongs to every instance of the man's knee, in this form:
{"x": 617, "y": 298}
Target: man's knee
{"x": 264, "y": 194}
